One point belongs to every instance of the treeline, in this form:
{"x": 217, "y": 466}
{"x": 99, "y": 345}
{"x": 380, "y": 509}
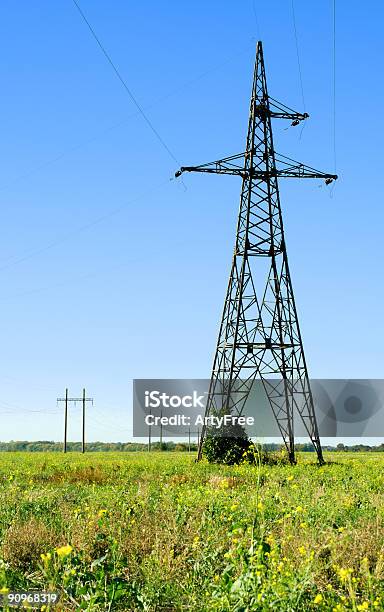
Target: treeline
{"x": 51, "y": 446}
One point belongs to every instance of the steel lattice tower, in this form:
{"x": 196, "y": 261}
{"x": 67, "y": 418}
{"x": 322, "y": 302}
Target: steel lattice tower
{"x": 259, "y": 334}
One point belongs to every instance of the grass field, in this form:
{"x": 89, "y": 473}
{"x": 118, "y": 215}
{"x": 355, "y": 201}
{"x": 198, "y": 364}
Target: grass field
{"x": 133, "y": 531}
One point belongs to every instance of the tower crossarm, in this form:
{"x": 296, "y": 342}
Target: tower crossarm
{"x": 235, "y": 165}
{"x": 291, "y": 168}
{"x": 227, "y": 165}
{"x": 278, "y": 110}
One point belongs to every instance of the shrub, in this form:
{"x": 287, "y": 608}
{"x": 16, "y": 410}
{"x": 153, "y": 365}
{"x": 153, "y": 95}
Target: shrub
{"x": 227, "y": 445}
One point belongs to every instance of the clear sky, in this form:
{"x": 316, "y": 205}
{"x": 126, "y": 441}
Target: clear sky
{"x": 111, "y": 271}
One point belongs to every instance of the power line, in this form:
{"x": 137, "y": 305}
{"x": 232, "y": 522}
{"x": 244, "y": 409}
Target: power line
{"x": 100, "y": 133}
{"x": 124, "y": 84}
{"x": 298, "y": 54}
{"x": 334, "y": 85}
{"x": 82, "y": 228}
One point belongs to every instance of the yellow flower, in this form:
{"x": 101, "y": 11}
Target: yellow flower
{"x": 290, "y": 477}
{"x": 318, "y": 599}
{"x": 344, "y": 573}
{"x": 260, "y": 505}
{"x": 299, "y": 509}
{"x": 363, "y": 606}
{"x": 4, "y": 590}
{"x": 101, "y": 513}
{"x": 302, "y": 550}
{"x": 46, "y": 557}
{"x": 234, "y": 507}
{"x": 64, "y": 551}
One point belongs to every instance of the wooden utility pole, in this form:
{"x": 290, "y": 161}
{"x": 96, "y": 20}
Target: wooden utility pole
{"x": 189, "y": 432}
{"x": 83, "y": 437}
{"x": 67, "y": 399}
{"x": 149, "y": 435}
{"x": 65, "y": 420}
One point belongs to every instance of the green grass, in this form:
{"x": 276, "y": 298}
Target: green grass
{"x": 127, "y": 531}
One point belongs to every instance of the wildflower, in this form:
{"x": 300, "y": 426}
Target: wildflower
{"x": 302, "y": 550}
{"x": 341, "y": 529}
{"x": 299, "y": 509}
{"x": 318, "y": 599}
{"x": 290, "y": 477}
{"x": 260, "y": 505}
{"x": 344, "y": 573}
{"x": 234, "y": 507}
{"x": 46, "y": 557}
{"x": 64, "y": 551}
{"x": 363, "y": 606}
{"x": 102, "y": 512}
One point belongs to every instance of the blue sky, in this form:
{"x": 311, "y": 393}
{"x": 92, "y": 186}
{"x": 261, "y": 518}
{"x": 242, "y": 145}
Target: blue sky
{"x": 111, "y": 271}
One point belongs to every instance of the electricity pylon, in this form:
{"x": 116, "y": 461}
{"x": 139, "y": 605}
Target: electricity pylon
{"x": 259, "y": 334}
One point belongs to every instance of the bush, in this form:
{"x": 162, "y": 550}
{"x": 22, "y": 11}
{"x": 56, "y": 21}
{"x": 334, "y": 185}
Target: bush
{"x": 227, "y": 445}
{"x": 230, "y": 445}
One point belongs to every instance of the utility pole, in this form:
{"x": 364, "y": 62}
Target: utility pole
{"x": 65, "y": 420}
{"x": 189, "y": 432}
{"x": 149, "y": 435}
{"x": 66, "y": 400}
{"x": 259, "y": 334}
{"x": 85, "y": 399}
